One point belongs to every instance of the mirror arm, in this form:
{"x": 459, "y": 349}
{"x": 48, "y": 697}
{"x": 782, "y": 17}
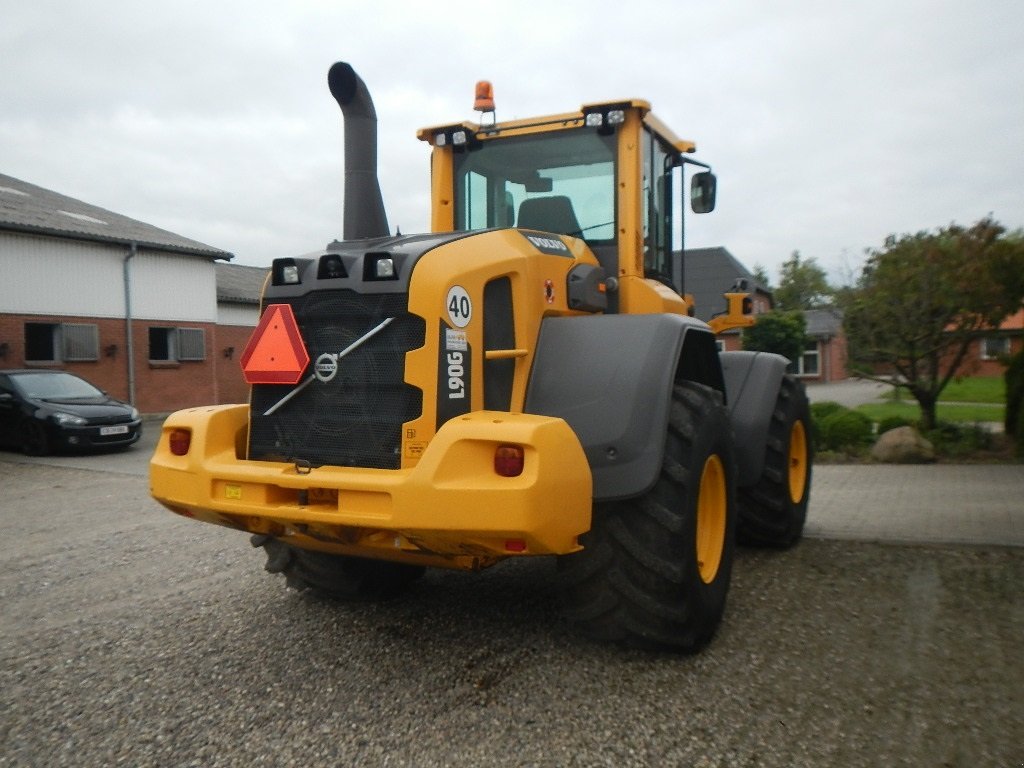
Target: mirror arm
{"x": 684, "y": 160}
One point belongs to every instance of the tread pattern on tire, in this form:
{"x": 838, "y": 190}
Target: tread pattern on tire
{"x": 767, "y": 515}
{"x": 338, "y": 576}
{"x": 637, "y": 581}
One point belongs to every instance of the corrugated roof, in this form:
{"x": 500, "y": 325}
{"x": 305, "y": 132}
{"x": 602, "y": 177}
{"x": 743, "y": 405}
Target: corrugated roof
{"x": 239, "y": 284}
{"x": 710, "y": 272}
{"x": 26, "y": 207}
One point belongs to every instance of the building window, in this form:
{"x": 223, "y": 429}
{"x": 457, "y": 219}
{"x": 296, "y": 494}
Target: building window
{"x": 61, "y": 342}
{"x": 995, "y": 347}
{"x": 80, "y": 341}
{"x": 191, "y": 344}
{"x": 174, "y": 344}
{"x": 807, "y": 364}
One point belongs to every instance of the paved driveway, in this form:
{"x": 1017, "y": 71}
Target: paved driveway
{"x": 848, "y": 392}
{"x": 936, "y": 503}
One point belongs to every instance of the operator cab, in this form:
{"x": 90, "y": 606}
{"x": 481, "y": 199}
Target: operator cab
{"x": 611, "y": 175}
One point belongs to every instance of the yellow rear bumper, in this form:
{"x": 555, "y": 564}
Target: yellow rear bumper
{"x": 450, "y": 510}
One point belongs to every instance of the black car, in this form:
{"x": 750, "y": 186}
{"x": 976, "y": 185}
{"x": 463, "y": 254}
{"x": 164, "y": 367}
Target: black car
{"x": 43, "y": 411}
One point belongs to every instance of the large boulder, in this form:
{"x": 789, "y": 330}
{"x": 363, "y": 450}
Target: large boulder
{"x": 903, "y": 445}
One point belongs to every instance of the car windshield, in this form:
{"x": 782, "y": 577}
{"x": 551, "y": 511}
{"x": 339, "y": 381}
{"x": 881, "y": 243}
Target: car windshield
{"x": 44, "y": 386}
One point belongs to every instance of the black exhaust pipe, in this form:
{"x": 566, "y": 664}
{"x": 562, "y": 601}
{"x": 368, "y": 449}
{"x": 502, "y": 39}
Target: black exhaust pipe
{"x": 364, "y": 206}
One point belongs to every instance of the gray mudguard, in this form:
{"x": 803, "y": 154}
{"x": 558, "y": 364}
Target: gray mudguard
{"x": 752, "y": 381}
{"x": 610, "y": 377}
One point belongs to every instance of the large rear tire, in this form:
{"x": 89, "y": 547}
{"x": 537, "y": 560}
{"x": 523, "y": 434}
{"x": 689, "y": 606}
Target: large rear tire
{"x": 773, "y": 510}
{"x": 337, "y": 576}
{"x": 655, "y": 570}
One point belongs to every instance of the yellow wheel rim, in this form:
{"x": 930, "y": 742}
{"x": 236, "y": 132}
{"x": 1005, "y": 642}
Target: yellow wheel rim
{"x": 797, "y": 462}
{"x": 712, "y": 505}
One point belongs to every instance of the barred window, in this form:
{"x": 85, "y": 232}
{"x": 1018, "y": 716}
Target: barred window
{"x": 191, "y": 344}
{"x": 59, "y": 342}
{"x": 174, "y": 344}
{"x": 80, "y": 341}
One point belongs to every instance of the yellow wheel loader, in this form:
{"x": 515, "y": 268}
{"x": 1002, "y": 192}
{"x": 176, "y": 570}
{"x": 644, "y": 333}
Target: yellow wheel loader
{"x": 526, "y": 379}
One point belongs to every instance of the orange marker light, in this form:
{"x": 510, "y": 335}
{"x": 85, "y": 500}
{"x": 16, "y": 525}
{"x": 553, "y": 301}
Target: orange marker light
{"x": 484, "y": 96}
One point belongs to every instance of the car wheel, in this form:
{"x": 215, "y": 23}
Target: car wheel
{"x": 34, "y": 440}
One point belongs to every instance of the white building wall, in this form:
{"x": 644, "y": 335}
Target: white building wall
{"x": 50, "y": 276}
{"x": 238, "y": 314}
{"x": 54, "y": 276}
{"x": 173, "y": 287}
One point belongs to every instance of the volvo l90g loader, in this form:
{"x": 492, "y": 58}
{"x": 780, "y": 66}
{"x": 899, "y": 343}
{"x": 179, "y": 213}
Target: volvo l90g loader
{"x": 526, "y": 379}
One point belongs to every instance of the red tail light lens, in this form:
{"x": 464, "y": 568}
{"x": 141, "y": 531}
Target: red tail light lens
{"x": 508, "y": 460}
{"x": 180, "y": 440}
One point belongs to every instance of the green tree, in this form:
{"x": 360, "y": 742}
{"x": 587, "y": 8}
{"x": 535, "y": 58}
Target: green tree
{"x": 760, "y": 274}
{"x": 802, "y": 284}
{"x": 783, "y": 333}
{"x": 922, "y": 299}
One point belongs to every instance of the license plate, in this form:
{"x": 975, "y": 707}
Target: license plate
{"x": 120, "y": 429}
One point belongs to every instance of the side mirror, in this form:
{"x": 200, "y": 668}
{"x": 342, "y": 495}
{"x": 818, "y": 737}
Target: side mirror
{"x": 702, "y": 192}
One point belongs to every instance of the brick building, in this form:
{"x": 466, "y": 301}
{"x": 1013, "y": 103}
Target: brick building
{"x": 126, "y": 305}
{"x": 710, "y": 272}
{"x": 988, "y": 355}
{"x": 824, "y": 357}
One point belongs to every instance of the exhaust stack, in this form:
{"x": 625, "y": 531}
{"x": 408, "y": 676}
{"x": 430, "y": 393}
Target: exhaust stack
{"x": 364, "y": 207}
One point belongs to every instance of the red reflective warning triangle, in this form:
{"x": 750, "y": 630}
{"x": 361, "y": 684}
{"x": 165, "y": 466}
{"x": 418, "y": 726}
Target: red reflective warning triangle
{"x": 275, "y": 353}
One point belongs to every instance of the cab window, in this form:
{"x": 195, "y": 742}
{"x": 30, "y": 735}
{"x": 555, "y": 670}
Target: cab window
{"x": 657, "y": 208}
{"x": 562, "y": 182}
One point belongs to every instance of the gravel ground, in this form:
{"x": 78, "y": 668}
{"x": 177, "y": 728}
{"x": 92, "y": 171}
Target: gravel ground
{"x": 132, "y": 637}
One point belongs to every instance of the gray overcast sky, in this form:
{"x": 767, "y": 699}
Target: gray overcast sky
{"x": 830, "y": 125}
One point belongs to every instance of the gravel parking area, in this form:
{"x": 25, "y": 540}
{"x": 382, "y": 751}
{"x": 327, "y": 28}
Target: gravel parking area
{"x": 133, "y": 637}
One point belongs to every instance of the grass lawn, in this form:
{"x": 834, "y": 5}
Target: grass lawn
{"x": 962, "y": 414}
{"x": 971, "y": 389}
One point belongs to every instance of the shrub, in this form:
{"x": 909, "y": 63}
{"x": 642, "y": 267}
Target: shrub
{"x": 846, "y": 430}
{"x": 826, "y": 408}
{"x": 955, "y": 440}
{"x": 820, "y": 412}
{"x": 892, "y": 422}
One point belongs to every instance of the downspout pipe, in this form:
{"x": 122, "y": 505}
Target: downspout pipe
{"x": 364, "y": 206}
{"x": 126, "y": 274}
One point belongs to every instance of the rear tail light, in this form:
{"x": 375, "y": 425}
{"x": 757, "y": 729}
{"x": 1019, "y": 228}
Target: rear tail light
{"x": 508, "y": 460}
{"x": 180, "y": 440}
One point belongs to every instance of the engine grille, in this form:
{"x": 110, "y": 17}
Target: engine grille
{"x": 354, "y": 420}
